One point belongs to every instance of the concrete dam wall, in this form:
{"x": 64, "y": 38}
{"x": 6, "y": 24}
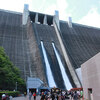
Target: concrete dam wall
{"x": 22, "y": 43}
{"x": 47, "y": 34}
{"x": 13, "y": 38}
{"x": 81, "y": 42}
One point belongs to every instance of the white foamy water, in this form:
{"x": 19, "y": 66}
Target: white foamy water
{"x": 63, "y": 72}
{"x": 50, "y": 78}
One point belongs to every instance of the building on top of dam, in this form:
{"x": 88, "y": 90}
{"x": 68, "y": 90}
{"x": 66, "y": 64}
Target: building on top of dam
{"x": 44, "y": 47}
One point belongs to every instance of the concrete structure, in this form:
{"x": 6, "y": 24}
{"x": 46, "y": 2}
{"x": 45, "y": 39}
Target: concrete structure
{"x": 36, "y": 18}
{"x": 21, "y": 42}
{"x": 70, "y": 22}
{"x": 91, "y": 78}
{"x": 66, "y": 57}
{"x": 45, "y": 20}
{"x": 56, "y": 19}
{"x": 25, "y": 14}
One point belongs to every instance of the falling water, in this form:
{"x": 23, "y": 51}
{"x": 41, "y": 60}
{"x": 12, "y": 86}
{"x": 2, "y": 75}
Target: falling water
{"x": 50, "y": 78}
{"x": 64, "y": 75}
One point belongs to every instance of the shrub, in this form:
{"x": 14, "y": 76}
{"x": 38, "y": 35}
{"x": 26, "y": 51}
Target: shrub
{"x": 9, "y": 93}
{"x": 9, "y": 74}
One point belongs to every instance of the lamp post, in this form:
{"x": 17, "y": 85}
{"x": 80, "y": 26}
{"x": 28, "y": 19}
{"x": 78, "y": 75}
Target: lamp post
{"x": 16, "y": 86}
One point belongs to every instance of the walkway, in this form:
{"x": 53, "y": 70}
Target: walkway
{"x": 38, "y": 98}
{"x": 25, "y": 98}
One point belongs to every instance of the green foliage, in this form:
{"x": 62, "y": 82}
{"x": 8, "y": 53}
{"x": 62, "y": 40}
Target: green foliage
{"x": 9, "y": 74}
{"x": 10, "y": 93}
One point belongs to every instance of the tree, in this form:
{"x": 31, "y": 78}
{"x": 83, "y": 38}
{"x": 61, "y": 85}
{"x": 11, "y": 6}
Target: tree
{"x": 9, "y": 74}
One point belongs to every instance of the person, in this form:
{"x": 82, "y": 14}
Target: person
{"x": 81, "y": 94}
{"x": 3, "y": 97}
{"x": 56, "y": 96}
{"x": 25, "y": 94}
{"x": 42, "y": 96}
{"x": 34, "y": 95}
{"x": 7, "y": 96}
{"x": 49, "y": 95}
{"x": 30, "y": 95}
{"x": 52, "y": 96}
{"x": 10, "y": 97}
{"x": 75, "y": 96}
{"x": 66, "y": 95}
{"x": 71, "y": 93}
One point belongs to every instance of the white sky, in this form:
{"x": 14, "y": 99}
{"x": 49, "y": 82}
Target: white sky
{"x": 91, "y": 17}
{"x": 13, "y": 5}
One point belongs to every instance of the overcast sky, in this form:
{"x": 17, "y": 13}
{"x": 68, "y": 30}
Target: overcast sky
{"x": 82, "y": 11}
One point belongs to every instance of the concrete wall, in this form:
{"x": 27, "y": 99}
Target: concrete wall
{"x": 35, "y": 58}
{"x": 81, "y": 42}
{"x": 13, "y": 39}
{"x": 91, "y": 77}
{"x": 47, "y": 34}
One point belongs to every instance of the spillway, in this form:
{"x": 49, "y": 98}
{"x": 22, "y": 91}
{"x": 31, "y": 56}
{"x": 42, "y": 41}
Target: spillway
{"x": 50, "y": 78}
{"x": 64, "y": 75}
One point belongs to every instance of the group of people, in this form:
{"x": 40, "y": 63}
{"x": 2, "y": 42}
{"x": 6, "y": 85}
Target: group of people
{"x": 6, "y": 97}
{"x": 53, "y": 94}
{"x": 62, "y": 95}
{"x": 76, "y": 96}
{"x": 30, "y": 95}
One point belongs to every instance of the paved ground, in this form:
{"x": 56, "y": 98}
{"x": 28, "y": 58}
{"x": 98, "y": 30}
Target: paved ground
{"x": 37, "y": 98}
{"x": 25, "y": 98}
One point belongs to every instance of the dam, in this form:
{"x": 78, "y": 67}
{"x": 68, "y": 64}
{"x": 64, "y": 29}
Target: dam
{"x": 45, "y": 47}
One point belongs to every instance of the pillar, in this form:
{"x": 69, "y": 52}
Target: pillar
{"x": 36, "y": 18}
{"x": 56, "y": 19}
{"x": 70, "y": 22}
{"x": 25, "y": 14}
{"x": 45, "y": 20}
